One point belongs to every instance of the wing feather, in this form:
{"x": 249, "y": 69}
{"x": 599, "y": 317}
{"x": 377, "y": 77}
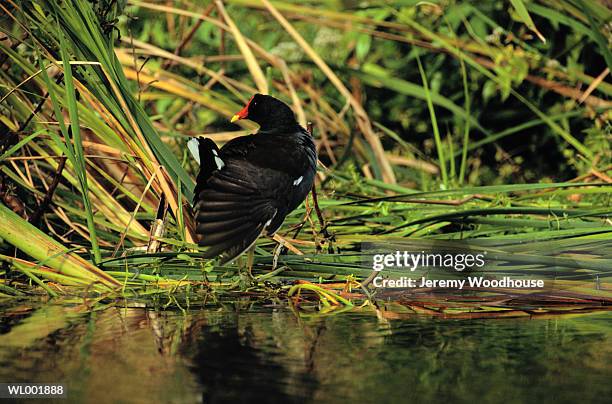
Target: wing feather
{"x": 234, "y": 247}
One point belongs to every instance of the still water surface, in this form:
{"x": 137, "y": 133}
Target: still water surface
{"x": 133, "y": 355}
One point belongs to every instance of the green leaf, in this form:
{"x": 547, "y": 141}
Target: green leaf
{"x": 602, "y": 42}
{"x": 523, "y": 14}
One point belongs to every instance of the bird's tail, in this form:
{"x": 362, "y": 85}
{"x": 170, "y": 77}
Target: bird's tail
{"x": 205, "y": 152}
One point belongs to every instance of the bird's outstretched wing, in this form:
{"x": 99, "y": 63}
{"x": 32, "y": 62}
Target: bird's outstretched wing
{"x": 235, "y": 202}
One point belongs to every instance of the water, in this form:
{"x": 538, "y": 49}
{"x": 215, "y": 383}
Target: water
{"x": 246, "y": 354}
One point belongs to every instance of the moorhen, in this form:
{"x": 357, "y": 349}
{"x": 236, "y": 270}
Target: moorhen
{"x": 253, "y": 182}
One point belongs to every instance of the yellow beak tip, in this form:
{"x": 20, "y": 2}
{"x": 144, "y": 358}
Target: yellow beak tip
{"x": 234, "y": 118}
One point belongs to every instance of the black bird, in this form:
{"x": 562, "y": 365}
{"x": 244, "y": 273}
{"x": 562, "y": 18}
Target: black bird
{"x": 248, "y": 187}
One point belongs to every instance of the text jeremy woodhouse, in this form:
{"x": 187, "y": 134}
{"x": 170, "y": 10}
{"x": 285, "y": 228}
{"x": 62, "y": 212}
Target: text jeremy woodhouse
{"x": 456, "y": 262}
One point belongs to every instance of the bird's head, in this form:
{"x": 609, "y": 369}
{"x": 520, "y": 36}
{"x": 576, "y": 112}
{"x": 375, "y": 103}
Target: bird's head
{"x": 267, "y": 111}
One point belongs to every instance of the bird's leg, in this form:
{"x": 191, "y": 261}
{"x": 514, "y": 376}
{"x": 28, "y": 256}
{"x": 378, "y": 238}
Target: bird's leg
{"x": 245, "y": 269}
{"x": 250, "y": 261}
{"x": 277, "y": 252}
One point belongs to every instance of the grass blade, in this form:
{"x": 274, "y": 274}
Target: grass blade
{"x": 523, "y": 14}
{"x": 434, "y": 124}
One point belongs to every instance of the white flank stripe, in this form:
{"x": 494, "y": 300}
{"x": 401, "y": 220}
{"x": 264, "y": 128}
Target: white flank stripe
{"x": 272, "y": 218}
{"x": 298, "y": 181}
{"x": 220, "y": 164}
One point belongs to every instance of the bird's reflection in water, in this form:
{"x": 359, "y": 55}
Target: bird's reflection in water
{"x": 241, "y": 364}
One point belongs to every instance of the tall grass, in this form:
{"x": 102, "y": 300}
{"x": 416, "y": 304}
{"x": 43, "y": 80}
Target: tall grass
{"x": 399, "y": 96}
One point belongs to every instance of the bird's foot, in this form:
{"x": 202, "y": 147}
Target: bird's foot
{"x": 246, "y": 279}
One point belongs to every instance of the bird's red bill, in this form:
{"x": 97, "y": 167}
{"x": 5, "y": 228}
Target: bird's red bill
{"x": 244, "y": 112}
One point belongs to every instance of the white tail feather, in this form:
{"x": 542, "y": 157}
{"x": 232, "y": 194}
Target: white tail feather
{"x": 193, "y": 146}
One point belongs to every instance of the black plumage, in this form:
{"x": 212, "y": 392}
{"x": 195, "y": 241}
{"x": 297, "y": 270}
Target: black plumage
{"x": 248, "y": 187}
